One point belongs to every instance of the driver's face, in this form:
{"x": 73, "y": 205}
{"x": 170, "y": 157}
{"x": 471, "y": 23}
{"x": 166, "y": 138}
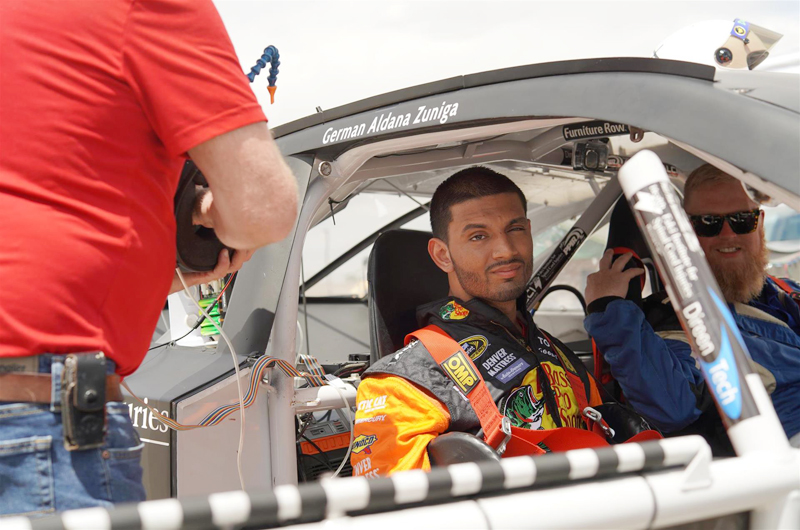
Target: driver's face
{"x": 490, "y": 246}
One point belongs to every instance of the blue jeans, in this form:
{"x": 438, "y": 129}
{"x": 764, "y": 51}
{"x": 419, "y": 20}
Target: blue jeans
{"x": 39, "y": 476}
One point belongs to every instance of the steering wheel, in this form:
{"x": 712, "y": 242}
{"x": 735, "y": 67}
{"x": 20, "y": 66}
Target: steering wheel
{"x": 198, "y": 246}
{"x": 569, "y": 288}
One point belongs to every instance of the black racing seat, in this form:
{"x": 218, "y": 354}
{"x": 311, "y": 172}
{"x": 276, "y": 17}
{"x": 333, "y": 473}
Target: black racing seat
{"x": 401, "y": 277}
{"x": 624, "y": 236}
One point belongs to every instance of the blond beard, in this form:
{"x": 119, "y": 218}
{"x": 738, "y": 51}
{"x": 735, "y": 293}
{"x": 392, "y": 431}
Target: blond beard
{"x": 744, "y": 283}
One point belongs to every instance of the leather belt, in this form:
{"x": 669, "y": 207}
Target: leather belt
{"x": 37, "y": 388}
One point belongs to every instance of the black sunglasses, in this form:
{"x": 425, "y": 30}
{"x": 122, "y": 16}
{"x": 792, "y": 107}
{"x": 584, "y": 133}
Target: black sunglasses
{"x": 708, "y": 225}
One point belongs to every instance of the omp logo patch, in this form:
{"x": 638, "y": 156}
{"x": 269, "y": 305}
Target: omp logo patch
{"x": 474, "y": 346}
{"x": 371, "y": 405}
{"x": 363, "y": 442}
{"x": 453, "y": 311}
{"x": 461, "y": 372}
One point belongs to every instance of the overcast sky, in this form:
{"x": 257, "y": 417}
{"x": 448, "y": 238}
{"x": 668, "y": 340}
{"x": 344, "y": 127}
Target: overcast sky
{"x": 335, "y": 52}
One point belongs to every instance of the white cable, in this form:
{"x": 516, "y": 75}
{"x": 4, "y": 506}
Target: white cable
{"x": 236, "y": 369}
{"x": 298, "y": 353}
{"x": 348, "y": 413}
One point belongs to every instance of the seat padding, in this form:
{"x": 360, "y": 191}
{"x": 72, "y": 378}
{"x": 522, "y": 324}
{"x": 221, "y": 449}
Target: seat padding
{"x": 401, "y": 277}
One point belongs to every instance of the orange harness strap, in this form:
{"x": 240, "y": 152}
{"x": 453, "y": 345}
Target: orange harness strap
{"x": 497, "y": 429}
{"x": 794, "y": 295}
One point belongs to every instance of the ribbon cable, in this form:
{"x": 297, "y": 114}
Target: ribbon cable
{"x": 315, "y": 379}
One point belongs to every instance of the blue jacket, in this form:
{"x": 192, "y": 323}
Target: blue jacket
{"x": 660, "y": 378}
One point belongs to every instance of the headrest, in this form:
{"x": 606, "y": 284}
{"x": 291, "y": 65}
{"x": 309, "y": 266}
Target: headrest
{"x": 624, "y": 236}
{"x": 401, "y": 276}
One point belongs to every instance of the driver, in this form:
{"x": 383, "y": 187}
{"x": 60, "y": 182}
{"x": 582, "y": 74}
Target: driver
{"x": 482, "y": 240}
{"x": 655, "y": 367}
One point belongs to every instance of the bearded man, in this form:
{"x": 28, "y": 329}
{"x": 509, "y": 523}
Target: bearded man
{"x": 482, "y": 240}
{"x": 650, "y": 357}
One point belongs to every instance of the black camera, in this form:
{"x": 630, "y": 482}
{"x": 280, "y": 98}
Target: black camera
{"x": 590, "y": 156}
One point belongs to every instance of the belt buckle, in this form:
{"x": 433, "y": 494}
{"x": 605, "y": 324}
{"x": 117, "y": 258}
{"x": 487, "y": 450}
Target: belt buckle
{"x": 595, "y": 416}
{"x": 505, "y": 428}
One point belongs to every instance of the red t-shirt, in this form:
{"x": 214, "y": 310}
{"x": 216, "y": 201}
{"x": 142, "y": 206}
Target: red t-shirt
{"x": 99, "y": 102}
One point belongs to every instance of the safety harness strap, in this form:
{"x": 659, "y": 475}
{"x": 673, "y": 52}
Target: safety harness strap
{"x": 786, "y": 288}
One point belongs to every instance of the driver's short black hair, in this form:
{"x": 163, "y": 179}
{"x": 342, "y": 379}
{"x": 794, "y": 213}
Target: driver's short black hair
{"x": 470, "y": 183}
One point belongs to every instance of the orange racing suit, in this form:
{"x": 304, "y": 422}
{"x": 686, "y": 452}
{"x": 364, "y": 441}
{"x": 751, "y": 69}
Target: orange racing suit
{"x": 405, "y": 400}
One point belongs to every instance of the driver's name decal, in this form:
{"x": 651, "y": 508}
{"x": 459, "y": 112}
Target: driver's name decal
{"x": 391, "y": 121}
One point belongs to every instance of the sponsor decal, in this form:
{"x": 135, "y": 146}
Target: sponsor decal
{"x": 391, "y": 121}
{"x": 371, "y": 405}
{"x": 142, "y": 418}
{"x": 673, "y": 237}
{"x": 373, "y": 419}
{"x": 555, "y": 262}
{"x": 695, "y": 317}
{"x": 722, "y": 371}
{"x": 740, "y": 28}
{"x": 523, "y": 409}
{"x": 573, "y": 240}
{"x": 567, "y": 405}
{"x": 593, "y": 129}
{"x": 453, "y": 311}
{"x": 504, "y": 365}
{"x": 513, "y": 371}
{"x": 359, "y": 468}
{"x": 363, "y": 442}
{"x": 474, "y": 346}
{"x": 401, "y": 351}
{"x": 461, "y": 372}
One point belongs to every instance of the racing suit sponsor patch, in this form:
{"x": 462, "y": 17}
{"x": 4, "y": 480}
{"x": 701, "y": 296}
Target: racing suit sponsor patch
{"x": 474, "y": 346}
{"x": 371, "y": 405}
{"x": 363, "y": 442}
{"x": 373, "y": 419}
{"x": 364, "y": 468}
{"x": 523, "y": 409}
{"x": 460, "y": 370}
{"x": 504, "y": 365}
{"x": 453, "y": 311}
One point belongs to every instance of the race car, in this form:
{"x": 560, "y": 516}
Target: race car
{"x": 563, "y": 132}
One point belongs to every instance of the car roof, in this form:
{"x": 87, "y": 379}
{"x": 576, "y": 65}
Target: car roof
{"x": 749, "y": 119}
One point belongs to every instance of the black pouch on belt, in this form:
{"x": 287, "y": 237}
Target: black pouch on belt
{"x": 83, "y": 400}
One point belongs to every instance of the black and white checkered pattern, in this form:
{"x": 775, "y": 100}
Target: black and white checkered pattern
{"x": 357, "y": 495}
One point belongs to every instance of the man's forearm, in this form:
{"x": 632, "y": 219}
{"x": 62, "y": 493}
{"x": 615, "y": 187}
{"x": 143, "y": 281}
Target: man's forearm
{"x": 656, "y": 376}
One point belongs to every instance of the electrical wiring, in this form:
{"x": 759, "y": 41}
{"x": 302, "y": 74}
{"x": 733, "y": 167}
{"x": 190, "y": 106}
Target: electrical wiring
{"x": 349, "y": 414}
{"x": 200, "y": 321}
{"x": 235, "y": 367}
{"x": 206, "y": 421}
{"x": 320, "y": 451}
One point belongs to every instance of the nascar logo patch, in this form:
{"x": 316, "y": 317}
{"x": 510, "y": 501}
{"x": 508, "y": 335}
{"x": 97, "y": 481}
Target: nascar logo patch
{"x": 474, "y": 346}
{"x": 459, "y": 369}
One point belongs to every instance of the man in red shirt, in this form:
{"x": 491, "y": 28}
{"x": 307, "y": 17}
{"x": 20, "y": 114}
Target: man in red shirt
{"x": 100, "y": 103}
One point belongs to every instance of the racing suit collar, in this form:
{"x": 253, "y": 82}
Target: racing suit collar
{"x": 478, "y": 312}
